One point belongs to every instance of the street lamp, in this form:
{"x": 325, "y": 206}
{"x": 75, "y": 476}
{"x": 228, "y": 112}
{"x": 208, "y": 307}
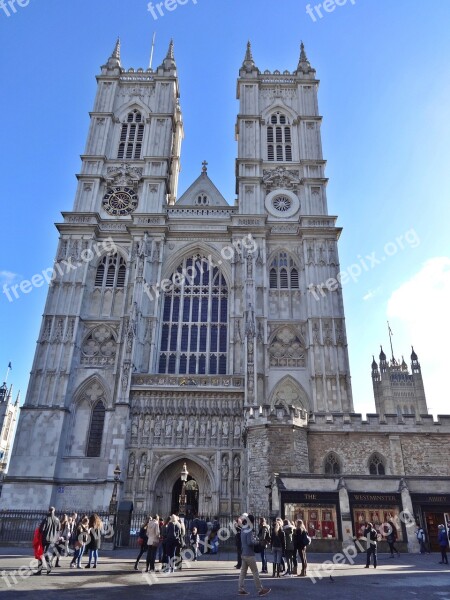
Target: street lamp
{"x": 113, "y": 502}
{"x": 184, "y": 476}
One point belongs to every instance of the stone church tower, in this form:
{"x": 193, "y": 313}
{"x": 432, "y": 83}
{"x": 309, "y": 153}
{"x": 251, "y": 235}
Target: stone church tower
{"x": 182, "y": 329}
{"x": 396, "y": 390}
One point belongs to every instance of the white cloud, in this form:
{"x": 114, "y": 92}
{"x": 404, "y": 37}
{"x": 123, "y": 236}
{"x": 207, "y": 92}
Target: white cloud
{"x": 7, "y": 278}
{"x": 419, "y": 309}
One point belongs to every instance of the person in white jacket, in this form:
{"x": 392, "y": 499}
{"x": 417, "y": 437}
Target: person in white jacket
{"x": 153, "y": 542}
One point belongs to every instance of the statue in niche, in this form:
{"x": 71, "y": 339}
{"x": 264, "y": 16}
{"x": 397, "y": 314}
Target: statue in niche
{"x": 237, "y": 468}
{"x": 310, "y": 253}
{"x": 134, "y": 427}
{"x": 192, "y": 427}
{"x": 143, "y": 466}
{"x": 225, "y": 429}
{"x": 225, "y": 474}
{"x": 250, "y": 321}
{"x": 237, "y": 476}
{"x": 158, "y": 426}
{"x": 237, "y": 430}
{"x": 147, "y": 426}
{"x": 169, "y": 426}
{"x": 131, "y": 465}
{"x": 202, "y": 429}
{"x": 214, "y": 428}
{"x": 180, "y": 427}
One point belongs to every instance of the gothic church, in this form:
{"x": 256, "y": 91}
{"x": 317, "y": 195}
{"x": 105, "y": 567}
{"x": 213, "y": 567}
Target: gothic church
{"x": 237, "y": 369}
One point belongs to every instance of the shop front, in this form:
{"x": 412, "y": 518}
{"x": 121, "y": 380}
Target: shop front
{"x": 320, "y": 513}
{"x": 432, "y": 510}
{"x": 378, "y": 509}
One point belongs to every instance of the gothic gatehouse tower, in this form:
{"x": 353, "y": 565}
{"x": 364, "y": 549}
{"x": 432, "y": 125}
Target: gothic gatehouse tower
{"x": 398, "y": 391}
{"x": 185, "y": 330}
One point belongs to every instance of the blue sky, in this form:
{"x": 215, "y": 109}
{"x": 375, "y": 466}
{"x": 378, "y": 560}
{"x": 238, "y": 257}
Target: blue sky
{"x": 385, "y": 98}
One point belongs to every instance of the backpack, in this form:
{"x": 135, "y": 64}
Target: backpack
{"x": 420, "y": 535}
{"x": 306, "y": 540}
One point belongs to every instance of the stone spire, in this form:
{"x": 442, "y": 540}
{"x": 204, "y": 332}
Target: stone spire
{"x": 114, "y": 59}
{"x": 249, "y": 64}
{"x": 304, "y": 66}
{"x": 18, "y": 398}
{"x": 169, "y": 62}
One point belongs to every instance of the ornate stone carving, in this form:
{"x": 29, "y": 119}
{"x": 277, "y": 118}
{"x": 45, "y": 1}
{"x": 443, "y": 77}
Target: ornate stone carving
{"x": 124, "y": 175}
{"x": 286, "y": 350}
{"x": 99, "y": 347}
{"x": 281, "y": 178}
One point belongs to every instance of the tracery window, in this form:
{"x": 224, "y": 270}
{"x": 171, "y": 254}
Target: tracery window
{"x": 376, "y": 465}
{"x": 111, "y": 272}
{"x": 279, "y": 139}
{"x": 332, "y": 464}
{"x": 131, "y": 137}
{"x": 194, "y": 336}
{"x": 283, "y": 273}
{"x": 94, "y": 444}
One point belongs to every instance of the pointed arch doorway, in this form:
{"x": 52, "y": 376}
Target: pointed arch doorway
{"x": 201, "y": 486}
{"x": 192, "y": 496}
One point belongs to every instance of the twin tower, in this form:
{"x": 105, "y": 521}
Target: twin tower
{"x": 141, "y": 366}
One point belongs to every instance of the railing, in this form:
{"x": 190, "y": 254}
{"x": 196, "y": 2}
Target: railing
{"x": 18, "y": 526}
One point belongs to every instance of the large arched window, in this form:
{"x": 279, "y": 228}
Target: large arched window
{"x": 279, "y": 139}
{"x": 283, "y": 273}
{"x": 94, "y": 444}
{"x": 194, "y": 336}
{"x": 332, "y": 465}
{"x": 376, "y": 465}
{"x": 111, "y": 272}
{"x": 131, "y": 136}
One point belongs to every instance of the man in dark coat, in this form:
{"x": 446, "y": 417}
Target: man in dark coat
{"x": 49, "y": 529}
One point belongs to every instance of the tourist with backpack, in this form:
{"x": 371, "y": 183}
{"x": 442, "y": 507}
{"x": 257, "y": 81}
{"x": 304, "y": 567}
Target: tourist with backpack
{"x": 372, "y": 538}
{"x": 443, "y": 543}
{"x": 301, "y": 542}
{"x": 421, "y": 538}
{"x": 391, "y": 538}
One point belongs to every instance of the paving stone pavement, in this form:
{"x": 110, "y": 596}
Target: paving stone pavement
{"x": 412, "y": 577}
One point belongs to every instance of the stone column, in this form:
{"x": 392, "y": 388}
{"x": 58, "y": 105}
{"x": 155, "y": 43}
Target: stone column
{"x": 413, "y": 544}
{"x": 346, "y": 519}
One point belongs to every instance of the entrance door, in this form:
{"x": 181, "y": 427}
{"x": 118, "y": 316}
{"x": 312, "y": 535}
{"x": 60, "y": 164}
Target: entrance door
{"x": 432, "y": 520}
{"x": 192, "y": 493}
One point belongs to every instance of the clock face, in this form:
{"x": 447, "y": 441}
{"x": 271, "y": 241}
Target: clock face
{"x": 120, "y": 201}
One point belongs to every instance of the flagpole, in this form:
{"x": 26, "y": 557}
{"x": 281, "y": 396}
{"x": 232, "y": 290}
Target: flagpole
{"x": 390, "y": 340}
{"x": 153, "y": 48}
{"x": 7, "y": 372}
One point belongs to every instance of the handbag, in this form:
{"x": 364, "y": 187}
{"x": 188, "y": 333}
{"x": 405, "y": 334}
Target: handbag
{"x": 140, "y": 541}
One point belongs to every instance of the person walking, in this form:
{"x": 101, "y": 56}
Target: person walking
{"x": 301, "y": 542}
{"x": 49, "y": 530}
{"x": 278, "y": 546}
{"x": 372, "y": 538}
{"x": 82, "y": 535}
{"x": 237, "y": 539}
{"x": 153, "y": 534}
{"x": 194, "y": 541}
{"x": 264, "y": 540}
{"x": 94, "y": 543}
{"x": 443, "y": 543}
{"x": 248, "y": 541}
{"x": 391, "y": 538}
{"x": 143, "y": 541}
{"x": 421, "y": 538}
{"x": 173, "y": 541}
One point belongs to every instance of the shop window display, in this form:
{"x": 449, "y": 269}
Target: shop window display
{"x": 378, "y": 517}
{"x": 320, "y": 521}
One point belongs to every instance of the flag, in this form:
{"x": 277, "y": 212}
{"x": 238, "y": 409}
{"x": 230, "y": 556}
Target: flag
{"x": 10, "y": 366}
